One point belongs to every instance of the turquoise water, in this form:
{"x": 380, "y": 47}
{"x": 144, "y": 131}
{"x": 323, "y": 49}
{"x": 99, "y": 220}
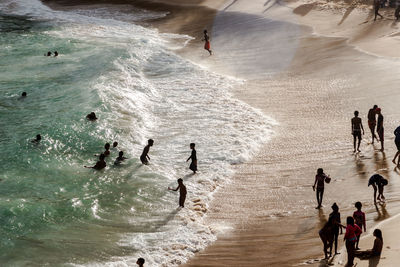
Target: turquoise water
{"x": 54, "y": 211}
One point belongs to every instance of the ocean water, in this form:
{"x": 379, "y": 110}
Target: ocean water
{"x": 54, "y": 212}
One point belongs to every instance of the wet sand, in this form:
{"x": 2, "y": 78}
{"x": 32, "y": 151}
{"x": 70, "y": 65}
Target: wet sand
{"x": 310, "y": 84}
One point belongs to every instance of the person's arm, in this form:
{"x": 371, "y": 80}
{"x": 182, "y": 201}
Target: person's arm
{"x": 364, "y": 223}
{"x": 189, "y": 158}
{"x": 352, "y": 126}
{"x": 362, "y": 127}
{"x": 174, "y": 189}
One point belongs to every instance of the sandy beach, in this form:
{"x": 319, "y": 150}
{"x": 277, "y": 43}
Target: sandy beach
{"x": 308, "y": 66}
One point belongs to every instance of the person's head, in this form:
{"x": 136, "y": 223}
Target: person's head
{"x": 180, "y": 181}
{"x": 102, "y": 156}
{"x": 23, "y": 94}
{"x": 38, "y": 137}
{"x": 121, "y": 153}
{"x": 378, "y": 110}
{"x": 335, "y": 207}
{"x": 140, "y": 261}
{"x": 320, "y": 171}
{"x": 115, "y": 144}
{"x": 107, "y": 146}
{"x": 55, "y": 53}
{"x": 378, "y": 234}
{"x": 356, "y": 113}
{"x": 358, "y": 205}
{"x": 205, "y": 31}
{"x": 375, "y": 107}
{"x": 192, "y": 145}
{"x": 48, "y": 53}
{"x": 150, "y": 142}
{"x": 384, "y": 181}
{"x": 350, "y": 220}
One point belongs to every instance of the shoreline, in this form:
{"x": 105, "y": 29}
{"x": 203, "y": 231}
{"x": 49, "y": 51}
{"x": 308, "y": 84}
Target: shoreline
{"x": 250, "y": 243}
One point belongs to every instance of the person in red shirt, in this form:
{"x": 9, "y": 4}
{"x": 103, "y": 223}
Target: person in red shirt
{"x": 352, "y": 231}
{"x": 359, "y": 218}
{"x": 320, "y": 180}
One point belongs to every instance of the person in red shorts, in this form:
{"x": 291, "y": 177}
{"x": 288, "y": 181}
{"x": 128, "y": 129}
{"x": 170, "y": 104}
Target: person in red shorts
{"x": 379, "y": 127}
{"x": 207, "y": 45}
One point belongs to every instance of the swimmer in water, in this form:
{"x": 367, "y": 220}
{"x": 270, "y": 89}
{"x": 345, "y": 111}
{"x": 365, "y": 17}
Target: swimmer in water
{"x": 140, "y": 262}
{"x": 120, "y": 158}
{"x": 144, "y": 158}
{"x": 115, "y": 144}
{"x": 37, "y": 140}
{"x": 23, "y": 94}
{"x": 48, "y": 54}
{"x": 207, "y": 45}
{"x": 91, "y": 116}
{"x": 182, "y": 192}
{"x": 55, "y": 54}
{"x": 101, "y": 164}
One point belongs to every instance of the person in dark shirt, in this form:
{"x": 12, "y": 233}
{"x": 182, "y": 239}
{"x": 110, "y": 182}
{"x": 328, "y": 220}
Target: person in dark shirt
{"x": 193, "y": 156}
{"x": 101, "y": 164}
{"x": 144, "y": 158}
{"x": 182, "y": 192}
{"x": 372, "y": 122}
{"x": 379, "y": 127}
{"x": 397, "y": 142}
{"x": 356, "y": 127}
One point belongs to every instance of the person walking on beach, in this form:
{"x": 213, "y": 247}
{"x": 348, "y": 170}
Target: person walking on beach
{"x": 207, "y": 45}
{"x": 397, "y": 142}
{"x": 377, "y": 6}
{"x": 372, "y": 122}
{"x": 335, "y": 217}
{"x": 359, "y": 218}
{"x": 327, "y": 235}
{"x": 379, "y": 127}
{"x": 144, "y": 158}
{"x": 320, "y": 180}
{"x": 376, "y": 249}
{"x": 356, "y": 127}
{"x": 140, "y": 262}
{"x": 193, "y": 156}
{"x": 101, "y": 164}
{"x": 377, "y": 182}
{"x": 182, "y": 192}
{"x": 352, "y": 231}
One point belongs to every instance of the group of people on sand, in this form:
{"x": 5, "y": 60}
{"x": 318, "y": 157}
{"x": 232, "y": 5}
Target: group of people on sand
{"x": 378, "y": 4}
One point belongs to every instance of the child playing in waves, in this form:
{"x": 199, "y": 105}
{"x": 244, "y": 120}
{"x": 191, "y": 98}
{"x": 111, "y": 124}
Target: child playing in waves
{"x": 145, "y": 156}
{"x": 120, "y": 158}
{"x": 359, "y": 218}
{"x": 193, "y": 156}
{"x": 101, "y": 164}
{"x": 182, "y": 192}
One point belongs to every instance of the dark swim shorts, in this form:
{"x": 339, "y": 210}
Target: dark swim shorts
{"x": 357, "y": 134}
{"x": 397, "y": 142}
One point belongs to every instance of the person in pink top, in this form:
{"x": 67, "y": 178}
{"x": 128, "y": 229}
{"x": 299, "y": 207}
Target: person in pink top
{"x": 352, "y": 231}
{"x": 359, "y": 218}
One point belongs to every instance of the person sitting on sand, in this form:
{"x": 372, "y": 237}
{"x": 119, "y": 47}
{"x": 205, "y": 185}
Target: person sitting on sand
{"x": 320, "y": 180}
{"x": 37, "y": 139}
{"x": 359, "y": 218}
{"x": 327, "y": 236}
{"x": 101, "y": 164}
{"x": 397, "y": 142}
{"x": 207, "y": 45}
{"x": 193, "y": 156}
{"x": 91, "y": 116}
{"x": 335, "y": 217}
{"x": 356, "y": 127}
{"x": 377, "y": 182}
{"x": 379, "y": 127}
{"x": 376, "y": 250}
{"x": 377, "y": 6}
{"x": 140, "y": 262}
{"x": 144, "y": 158}
{"x": 182, "y": 192}
{"x": 352, "y": 231}
{"x": 372, "y": 122}
{"x": 120, "y": 158}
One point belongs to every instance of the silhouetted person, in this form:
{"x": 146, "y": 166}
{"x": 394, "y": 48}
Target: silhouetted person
{"x": 91, "y": 116}
{"x": 379, "y": 127}
{"x": 101, "y": 164}
{"x": 397, "y": 142}
{"x": 377, "y": 182}
{"x": 320, "y": 179}
{"x": 352, "y": 231}
{"x": 359, "y": 219}
{"x": 144, "y": 158}
{"x": 326, "y": 234}
{"x": 372, "y": 122}
{"x": 23, "y": 94}
{"x": 377, "y": 6}
{"x": 140, "y": 262}
{"x": 182, "y": 192}
{"x": 376, "y": 249}
{"x": 107, "y": 149}
{"x": 193, "y": 157}
{"x": 120, "y": 158}
{"x": 337, "y": 224}
{"x": 397, "y": 12}
{"x": 356, "y": 127}
{"x": 48, "y": 54}
{"x": 37, "y": 139}
{"x": 55, "y": 53}
{"x": 115, "y": 144}
{"x": 207, "y": 45}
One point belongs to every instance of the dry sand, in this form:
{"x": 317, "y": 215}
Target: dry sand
{"x": 308, "y": 66}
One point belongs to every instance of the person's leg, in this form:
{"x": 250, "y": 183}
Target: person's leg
{"x": 354, "y": 142}
{"x": 395, "y": 156}
{"x": 359, "y": 142}
{"x": 358, "y": 241}
{"x": 321, "y": 196}
{"x": 375, "y": 189}
{"x": 317, "y": 194}
{"x": 350, "y": 253}
{"x": 336, "y": 240}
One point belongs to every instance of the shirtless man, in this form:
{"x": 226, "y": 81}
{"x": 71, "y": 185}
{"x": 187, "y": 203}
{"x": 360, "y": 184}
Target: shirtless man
{"x": 379, "y": 127}
{"x": 356, "y": 127}
{"x": 182, "y": 192}
{"x": 372, "y": 122}
{"x": 144, "y": 158}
